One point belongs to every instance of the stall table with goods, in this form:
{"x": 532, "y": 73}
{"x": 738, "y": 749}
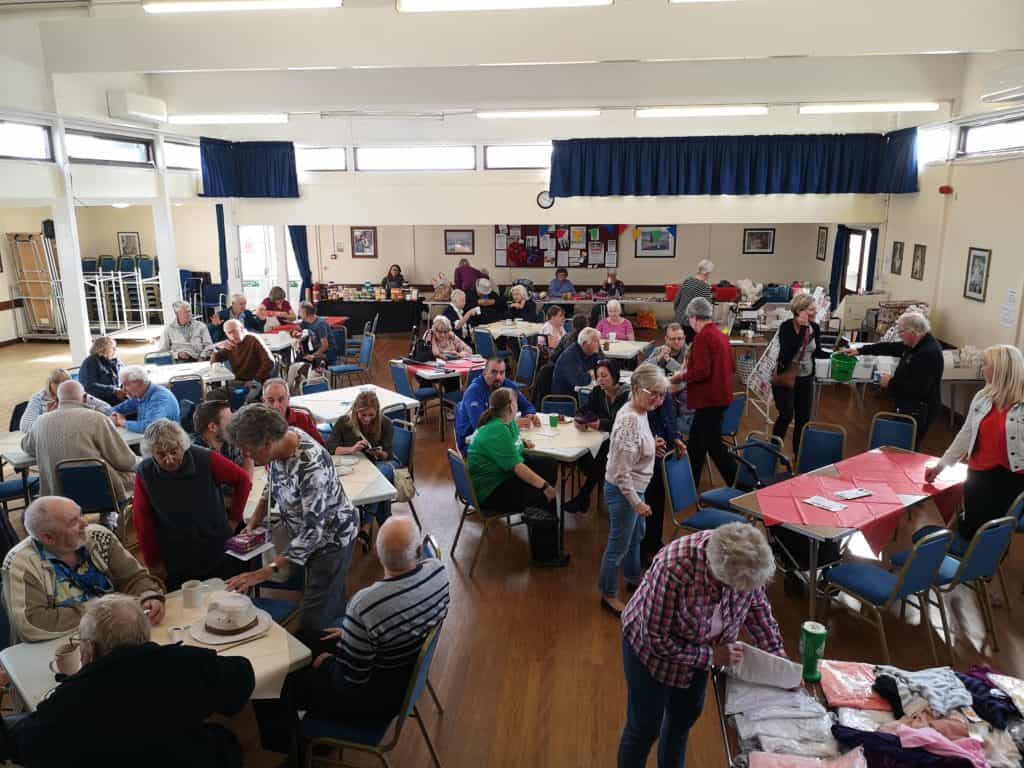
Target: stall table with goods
{"x": 400, "y": 309}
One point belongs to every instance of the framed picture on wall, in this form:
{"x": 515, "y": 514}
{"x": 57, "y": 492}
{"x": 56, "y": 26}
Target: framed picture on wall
{"x": 917, "y": 265}
{"x": 819, "y": 254}
{"x": 976, "y": 280}
{"x": 129, "y": 245}
{"x": 896, "y": 267}
{"x": 656, "y": 242}
{"x": 364, "y": 242}
{"x": 759, "y": 240}
{"x": 458, "y": 242}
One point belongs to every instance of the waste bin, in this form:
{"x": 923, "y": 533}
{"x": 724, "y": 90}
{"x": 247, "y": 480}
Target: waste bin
{"x": 542, "y": 527}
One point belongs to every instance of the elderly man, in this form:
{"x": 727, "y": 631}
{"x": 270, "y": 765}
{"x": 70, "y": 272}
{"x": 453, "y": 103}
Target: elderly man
{"x": 50, "y": 576}
{"x": 275, "y": 394}
{"x": 575, "y": 366}
{"x": 692, "y": 287}
{"x": 380, "y": 638}
{"x": 488, "y": 300}
{"x": 250, "y": 360}
{"x": 252, "y": 322}
{"x": 75, "y": 431}
{"x": 476, "y": 400}
{"x": 146, "y": 401}
{"x": 670, "y": 355}
{"x": 162, "y": 696}
{"x": 916, "y": 383}
{"x": 459, "y": 316}
{"x": 186, "y": 338}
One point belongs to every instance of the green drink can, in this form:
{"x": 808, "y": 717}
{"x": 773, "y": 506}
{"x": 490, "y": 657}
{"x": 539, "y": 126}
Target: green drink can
{"x": 812, "y": 648}
{"x": 553, "y": 420}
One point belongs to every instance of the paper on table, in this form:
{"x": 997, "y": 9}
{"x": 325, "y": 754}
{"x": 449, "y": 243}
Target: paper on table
{"x": 852, "y": 493}
{"x": 827, "y": 504}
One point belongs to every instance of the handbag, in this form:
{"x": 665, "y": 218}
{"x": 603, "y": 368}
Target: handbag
{"x": 404, "y": 485}
{"x": 422, "y": 350}
{"x": 442, "y": 288}
{"x": 787, "y": 378}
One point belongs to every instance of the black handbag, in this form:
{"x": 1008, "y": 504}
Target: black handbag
{"x": 422, "y": 351}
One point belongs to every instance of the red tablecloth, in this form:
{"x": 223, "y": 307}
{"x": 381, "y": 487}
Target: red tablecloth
{"x": 461, "y": 366}
{"x": 332, "y": 321}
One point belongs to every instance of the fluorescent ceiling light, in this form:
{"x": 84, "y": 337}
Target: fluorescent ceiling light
{"x": 229, "y": 119}
{"x": 312, "y": 69}
{"x": 210, "y": 6}
{"x": 120, "y": 205}
{"x": 739, "y": 110}
{"x": 853, "y": 107}
{"x": 680, "y": 2}
{"x": 537, "y": 114}
{"x": 532, "y": 63}
{"x": 432, "y": 6}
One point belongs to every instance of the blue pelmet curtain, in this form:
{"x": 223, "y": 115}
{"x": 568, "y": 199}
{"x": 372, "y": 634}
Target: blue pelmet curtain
{"x": 835, "y": 283}
{"x": 300, "y": 246}
{"x": 248, "y": 168}
{"x": 869, "y": 282}
{"x": 222, "y": 246}
{"x": 859, "y": 163}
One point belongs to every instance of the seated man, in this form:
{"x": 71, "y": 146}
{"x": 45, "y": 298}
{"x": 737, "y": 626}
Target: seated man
{"x": 477, "y": 396}
{"x": 186, "y": 338}
{"x": 250, "y": 360}
{"x": 252, "y": 322}
{"x": 488, "y": 300}
{"x": 275, "y": 394}
{"x": 671, "y": 355}
{"x": 320, "y": 347}
{"x": 75, "y": 431}
{"x": 50, "y": 576}
{"x": 210, "y": 421}
{"x": 182, "y": 686}
{"x": 576, "y": 364}
{"x": 385, "y": 625}
{"x": 146, "y": 401}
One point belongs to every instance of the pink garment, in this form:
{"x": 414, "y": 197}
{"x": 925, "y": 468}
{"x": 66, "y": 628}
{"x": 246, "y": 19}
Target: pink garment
{"x": 852, "y": 759}
{"x": 623, "y": 331}
{"x": 934, "y": 742}
{"x": 848, "y": 684}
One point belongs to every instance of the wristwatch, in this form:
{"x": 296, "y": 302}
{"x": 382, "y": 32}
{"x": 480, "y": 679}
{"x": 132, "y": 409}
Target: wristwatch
{"x": 275, "y": 567}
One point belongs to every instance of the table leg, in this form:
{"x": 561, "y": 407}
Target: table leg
{"x": 439, "y": 388}
{"x": 812, "y": 586}
{"x": 24, "y": 487}
{"x": 563, "y": 557}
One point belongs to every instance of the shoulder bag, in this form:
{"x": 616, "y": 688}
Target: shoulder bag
{"x": 787, "y": 378}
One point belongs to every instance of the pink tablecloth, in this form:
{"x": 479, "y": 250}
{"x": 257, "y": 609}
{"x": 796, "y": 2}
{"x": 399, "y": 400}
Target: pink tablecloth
{"x": 461, "y": 366}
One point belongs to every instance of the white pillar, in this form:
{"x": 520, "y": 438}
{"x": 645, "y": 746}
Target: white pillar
{"x": 69, "y": 255}
{"x": 234, "y": 250}
{"x": 163, "y": 227}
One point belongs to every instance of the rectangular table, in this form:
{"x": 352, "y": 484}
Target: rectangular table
{"x": 513, "y": 329}
{"x": 395, "y": 316}
{"x": 210, "y": 373}
{"x": 273, "y": 655}
{"x": 276, "y": 342}
{"x": 333, "y": 404}
{"x": 623, "y": 350}
{"x": 453, "y": 369}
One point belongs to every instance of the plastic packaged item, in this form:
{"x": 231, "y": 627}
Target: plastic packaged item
{"x": 853, "y": 759}
{"x": 848, "y": 684}
{"x": 1011, "y": 686}
{"x": 864, "y": 719}
{"x": 764, "y": 668}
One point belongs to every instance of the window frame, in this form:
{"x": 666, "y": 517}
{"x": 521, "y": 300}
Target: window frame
{"x": 344, "y": 151}
{"x": 489, "y": 167}
{"x": 180, "y": 167}
{"x": 964, "y": 130}
{"x": 47, "y": 129}
{"x": 148, "y": 143}
{"x": 861, "y": 267}
{"x": 357, "y": 169}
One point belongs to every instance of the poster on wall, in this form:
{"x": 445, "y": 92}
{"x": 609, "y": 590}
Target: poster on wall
{"x": 819, "y": 253}
{"x": 500, "y": 258}
{"x": 364, "y": 242}
{"x": 500, "y": 242}
{"x": 611, "y": 255}
{"x": 976, "y": 279}
{"x": 896, "y": 267}
{"x": 549, "y": 257}
{"x": 129, "y": 245}
{"x": 655, "y": 242}
{"x": 562, "y": 259}
{"x": 577, "y": 237}
{"x": 595, "y": 253}
{"x": 576, "y": 257}
{"x": 759, "y": 240}
{"x": 532, "y": 241}
{"x": 515, "y": 233}
{"x": 562, "y": 238}
{"x": 917, "y": 265}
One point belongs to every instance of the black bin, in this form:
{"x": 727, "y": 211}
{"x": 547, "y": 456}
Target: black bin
{"x": 542, "y": 526}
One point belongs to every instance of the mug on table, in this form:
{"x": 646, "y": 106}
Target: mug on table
{"x": 67, "y": 659}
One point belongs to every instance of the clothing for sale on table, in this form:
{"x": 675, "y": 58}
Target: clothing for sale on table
{"x": 848, "y": 684}
{"x": 852, "y": 759}
{"x": 934, "y": 742}
{"x": 939, "y": 687}
{"x": 989, "y": 701}
{"x": 1012, "y": 687}
{"x": 748, "y": 698}
{"x": 763, "y": 668}
{"x": 864, "y": 719}
{"x": 773, "y": 719}
{"x": 884, "y": 750}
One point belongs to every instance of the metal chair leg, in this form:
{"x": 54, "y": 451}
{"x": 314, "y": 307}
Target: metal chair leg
{"x": 433, "y": 695}
{"x": 458, "y": 532}
{"x": 1006, "y": 592}
{"x": 945, "y": 626}
{"x": 881, "y": 632}
{"x": 415, "y": 517}
{"x": 426, "y": 738}
{"x": 982, "y": 589}
{"x": 926, "y": 624}
{"x": 479, "y": 546}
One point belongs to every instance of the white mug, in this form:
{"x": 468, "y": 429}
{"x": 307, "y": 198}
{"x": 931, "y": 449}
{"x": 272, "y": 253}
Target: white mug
{"x": 193, "y": 594}
{"x": 611, "y": 335}
{"x": 67, "y": 660}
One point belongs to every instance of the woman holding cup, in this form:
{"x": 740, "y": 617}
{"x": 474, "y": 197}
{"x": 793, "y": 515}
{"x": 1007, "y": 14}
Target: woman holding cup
{"x": 615, "y": 327}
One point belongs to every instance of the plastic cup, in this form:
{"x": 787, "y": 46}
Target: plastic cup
{"x": 553, "y": 420}
{"x": 812, "y": 648}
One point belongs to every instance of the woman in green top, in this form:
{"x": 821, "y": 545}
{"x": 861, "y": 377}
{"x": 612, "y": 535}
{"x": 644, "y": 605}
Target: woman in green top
{"x": 499, "y": 472}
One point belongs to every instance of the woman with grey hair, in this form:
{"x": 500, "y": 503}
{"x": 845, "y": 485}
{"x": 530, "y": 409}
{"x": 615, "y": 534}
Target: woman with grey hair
{"x": 615, "y": 323}
{"x": 179, "y": 511}
{"x": 458, "y": 315}
{"x": 444, "y": 342}
{"x": 522, "y": 307}
{"x": 100, "y": 371}
{"x": 692, "y": 287}
{"x": 45, "y": 400}
{"x": 685, "y": 617}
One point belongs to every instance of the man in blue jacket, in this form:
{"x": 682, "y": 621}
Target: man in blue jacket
{"x": 575, "y": 365}
{"x": 477, "y": 396}
{"x": 146, "y": 401}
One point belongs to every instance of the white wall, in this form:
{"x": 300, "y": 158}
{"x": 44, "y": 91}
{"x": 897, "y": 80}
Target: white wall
{"x": 98, "y": 226}
{"x": 195, "y": 238}
{"x": 24, "y": 84}
{"x": 978, "y": 67}
{"x": 85, "y": 95}
{"x": 14, "y": 220}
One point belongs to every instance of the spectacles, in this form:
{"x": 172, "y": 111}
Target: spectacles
{"x": 659, "y": 395}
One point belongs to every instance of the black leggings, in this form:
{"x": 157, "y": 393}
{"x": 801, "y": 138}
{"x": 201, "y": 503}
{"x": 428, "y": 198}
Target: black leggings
{"x": 513, "y": 495}
{"x": 988, "y": 494}
{"x": 790, "y": 402}
{"x": 706, "y": 437}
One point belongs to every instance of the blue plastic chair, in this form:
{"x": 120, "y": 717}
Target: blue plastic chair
{"x": 465, "y": 494}
{"x": 339, "y": 340}
{"x": 403, "y": 440}
{"x": 352, "y": 345}
{"x": 526, "y": 368}
{"x": 879, "y": 589}
{"x": 312, "y": 386}
{"x": 107, "y": 263}
{"x": 147, "y": 267}
{"x": 189, "y": 387}
{"x": 821, "y": 444}
{"x": 564, "y": 405}
{"x": 126, "y": 264}
{"x": 757, "y": 465}
{"x": 731, "y": 418}
{"x": 89, "y": 265}
{"x": 485, "y": 345}
{"x": 896, "y": 429}
{"x": 159, "y": 358}
{"x": 87, "y": 482}
{"x": 400, "y": 378}
{"x": 682, "y": 495}
{"x": 360, "y": 369}
{"x": 236, "y": 397}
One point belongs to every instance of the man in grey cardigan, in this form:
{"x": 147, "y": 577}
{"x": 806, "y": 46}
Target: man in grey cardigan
{"x": 186, "y": 338}
{"x": 74, "y": 431}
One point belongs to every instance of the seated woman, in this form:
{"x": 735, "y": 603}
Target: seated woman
{"x": 276, "y": 305}
{"x": 444, "y": 343}
{"x": 522, "y": 307}
{"x": 100, "y": 371}
{"x": 366, "y": 430}
{"x": 553, "y": 330}
{"x": 393, "y": 279}
{"x": 612, "y": 286}
{"x": 615, "y": 323}
{"x": 179, "y": 511}
{"x": 45, "y": 400}
{"x": 496, "y": 463}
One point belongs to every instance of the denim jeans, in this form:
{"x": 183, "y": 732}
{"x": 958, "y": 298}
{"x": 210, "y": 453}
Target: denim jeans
{"x": 380, "y": 511}
{"x": 625, "y": 532}
{"x": 657, "y": 711}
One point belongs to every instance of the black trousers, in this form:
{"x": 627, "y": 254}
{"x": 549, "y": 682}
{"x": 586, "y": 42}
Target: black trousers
{"x": 987, "y": 495}
{"x": 513, "y": 495}
{"x": 706, "y": 438}
{"x": 655, "y": 498}
{"x": 793, "y": 402}
{"x": 921, "y": 413}
{"x": 594, "y": 468}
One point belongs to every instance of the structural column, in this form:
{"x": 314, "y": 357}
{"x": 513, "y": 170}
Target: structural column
{"x": 233, "y": 249}
{"x": 163, "y": 227}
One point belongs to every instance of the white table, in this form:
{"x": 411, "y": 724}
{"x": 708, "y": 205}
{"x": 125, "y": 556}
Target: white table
{"x": 211, "y": 374}
{"x": 624, "y": 378}
{"x": 623, "y": 350}
{"x": 276, "y": 342}
{"x": 513, "y": 329}
{"x": 333, "y": 404}
{"x": 273, "y": 655}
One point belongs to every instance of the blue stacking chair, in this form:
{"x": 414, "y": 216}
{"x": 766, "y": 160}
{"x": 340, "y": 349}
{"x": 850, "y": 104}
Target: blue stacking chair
{"x": 526, "y": 368}
{"x": 360, "y": 369}
{"x": 20, "y": 487}
{"x": 147, "y": 267}
{"x": 107, "y": 263}
{"x": 369, "y": 738}
{"x": 757, "y": 465}
{"x": 896, "y": 429}
{"x": 339, "y": 338}
{"x": 821, "y": 444}
{"x": 682, "y": 495}
{"x": 188, "y": 387}
{"x": 159, "y": 358}
{"x": 731, "y": 418}
{"x": 878, "y": 589}
{"x": 312, "y": 386}
{"x": 89, "y": 265}
{"x": 236, "y": 397}
{"x": 403, "y": 445}
{"x": 485, "y": 345}
{"x": 87, "y": 482}
{"x": 465, "y": 494}
{"x": 400, "y": 378}
{"x": 564, "y": 405}
{"x": 126, "y": 264}
{"x": 353, "y": 342}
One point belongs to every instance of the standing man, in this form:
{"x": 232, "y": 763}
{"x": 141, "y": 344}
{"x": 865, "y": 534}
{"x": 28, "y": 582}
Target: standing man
{"x": 692, "y": 287}
{"x": 186, "y": 338}
{"x": 476, "y": 400}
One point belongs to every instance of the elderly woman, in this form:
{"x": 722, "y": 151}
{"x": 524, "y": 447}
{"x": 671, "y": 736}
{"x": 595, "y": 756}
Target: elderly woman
{"x": 183, "y": 541}
{"x": 631, "y": 454}
{"x": 615, "y": 325}
{"x": 99, "y": 372}
{"x": 692, "y": 287}
{"x": 319, "y": 521}
{"x": 561, "y": 285}
{"x": 443, "y": 342}
{"x": 277, "y": 305}
{"x": 612, "y": 286}
{"x": 458, "y": 316}
{"x": 45, "y": 400}
{"x": 367, "y": 431}
{"x": 522, "y": 307}
{"x": 685, "y": 617}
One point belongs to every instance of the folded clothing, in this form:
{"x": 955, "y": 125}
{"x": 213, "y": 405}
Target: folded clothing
{"x": 848, "y": 684}
{"x": 864, "y": 719}
{"x": 828, "y": 748}
{"x": 852, "y": 759}
{"x": 748, "y": 697}
{"x": 934, "y": 742}
{"x": 939, "y": 686}
{"x": 1001, "y": 751}
{"x": 797, "y": 729}
{"x": 883, "y": 750}
{"x": 899, "y": 696}
{"x": 765, "y": 668}
{"x": 953, "y": 725}
{"x": 988, "y": 701}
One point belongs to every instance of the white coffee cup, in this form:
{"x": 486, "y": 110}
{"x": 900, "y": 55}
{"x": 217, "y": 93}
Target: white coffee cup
{"x": 193, "y": 594}
{"x": 67, "y": 659}
{"x": 611, "y": 335}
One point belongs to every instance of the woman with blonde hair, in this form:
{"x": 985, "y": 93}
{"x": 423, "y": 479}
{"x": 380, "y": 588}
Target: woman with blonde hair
{"x": 799, "y": 346}
{"x": 992, "y": 440}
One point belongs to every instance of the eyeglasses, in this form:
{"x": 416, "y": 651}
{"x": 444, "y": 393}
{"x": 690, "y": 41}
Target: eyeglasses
{"x": 658, "y": 395}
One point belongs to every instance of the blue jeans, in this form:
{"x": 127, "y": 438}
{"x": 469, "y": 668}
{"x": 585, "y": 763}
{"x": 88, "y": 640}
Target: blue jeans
{"x": 380, "y": 511}
{"x": 657, "y": 711}
{"x": 625, "y": 532}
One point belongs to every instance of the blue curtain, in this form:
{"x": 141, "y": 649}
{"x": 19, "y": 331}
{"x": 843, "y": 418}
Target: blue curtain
{"x": 732, "y": 165}
{"x": 835, "y": 283}
{"x": 869, "y": 283}
{"x": 222, "y": 247}
{"x": 248, "y": 168}
{"x": 897, "y": 171}
{"x": 301, "y": 248}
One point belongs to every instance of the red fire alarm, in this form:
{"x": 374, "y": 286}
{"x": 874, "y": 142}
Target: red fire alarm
{"x": 945, "y": 189}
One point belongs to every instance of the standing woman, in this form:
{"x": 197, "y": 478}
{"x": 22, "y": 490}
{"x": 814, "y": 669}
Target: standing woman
{"x": 799, "y": 346}
{"x": 631, "y": 454}
{"x": 100, "y": 371}
{"x": 615, "y": 323}
{"x": 692, "y": 287}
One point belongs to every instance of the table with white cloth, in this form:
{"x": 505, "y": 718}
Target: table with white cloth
{"x": 512, "y": 329}
{"x": 623, "y": 350}
{"x": 272, "y": 655}
{"x": 333, "y": 404}
{"x": 276, "y": 342}
{"x": 211, "y": 373}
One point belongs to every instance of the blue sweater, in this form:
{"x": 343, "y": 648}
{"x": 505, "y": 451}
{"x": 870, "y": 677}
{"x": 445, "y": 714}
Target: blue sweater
{"x": 572, "y": 370}
{"x": 474, "y": 402}
{"x": 157, "y": 403}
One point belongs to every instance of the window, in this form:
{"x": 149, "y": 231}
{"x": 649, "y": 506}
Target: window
{"x": 996, "y": 137}
{"x": 108, "y": 149}
{"x": 858, "y": 251}
{"x": 259, "y": 262}
{"x": 518, "y": 156}
{"x": 932, "y": 145}
{"x": 461, "y": 158}
{"x": 320, "y": 158}
{"x": 31, "y": 142}
{"x": 184, "y": 156}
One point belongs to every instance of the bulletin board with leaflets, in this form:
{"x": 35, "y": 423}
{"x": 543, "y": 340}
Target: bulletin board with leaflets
{"x": 563, "y": 245}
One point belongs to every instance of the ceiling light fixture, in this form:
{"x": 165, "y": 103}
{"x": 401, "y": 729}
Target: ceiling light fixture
{"x": 855, "y": 107}
{"x": 229, "y": 119}
{"x": 120, "y": 205}
{"x": 537, "y": 114}
{"x": 680, "y": 2}
{"x": 437, "y": 6}
{"x": 213, "y": 6}
{"x": 739, "y": 110}
{"x": 312, "y": 69}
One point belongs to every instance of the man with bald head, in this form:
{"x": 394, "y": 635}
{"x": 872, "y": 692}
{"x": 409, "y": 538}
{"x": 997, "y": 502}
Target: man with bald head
{"x": 379, "y": 640}
{"x": 50, "y": 576}
{"x": 276, "y": 395}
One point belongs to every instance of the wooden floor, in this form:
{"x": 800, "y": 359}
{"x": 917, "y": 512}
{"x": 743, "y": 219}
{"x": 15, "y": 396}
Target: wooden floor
{"x": 529, "y": 667}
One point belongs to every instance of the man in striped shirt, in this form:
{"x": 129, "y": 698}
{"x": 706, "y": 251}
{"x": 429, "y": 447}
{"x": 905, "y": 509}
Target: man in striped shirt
{"x": 691, "y": 288}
